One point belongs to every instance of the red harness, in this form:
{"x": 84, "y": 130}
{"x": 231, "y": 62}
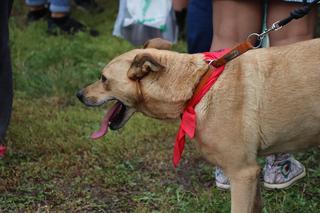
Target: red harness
{"x": 188, "y": 121}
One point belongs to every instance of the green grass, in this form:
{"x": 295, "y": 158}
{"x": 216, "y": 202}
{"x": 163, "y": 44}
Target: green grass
{"x": 52, "y": 165}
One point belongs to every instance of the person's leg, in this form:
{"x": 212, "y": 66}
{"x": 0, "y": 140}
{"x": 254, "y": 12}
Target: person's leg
{"x": 282, "y": 170}
{"x": 60, "y": 19}
{"x": 37, "y": 10}
{"x": 33, "y": 4}
{"x": 6, "y": 92}
{"x": 233, "y": 21}
{"x": 199, "y": 26}
{"x": 297, "y": 30}
{"x": 179, "y": 5}
{"x": 59, "y": 8}
{"x": 180, "y": 9}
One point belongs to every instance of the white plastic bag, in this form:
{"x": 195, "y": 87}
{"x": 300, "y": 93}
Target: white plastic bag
{"x": 152, "y": 13}
{"x": 141, "y": 20}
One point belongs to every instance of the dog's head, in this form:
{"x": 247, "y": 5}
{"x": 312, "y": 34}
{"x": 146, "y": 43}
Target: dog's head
{"x": 140, "y": 80}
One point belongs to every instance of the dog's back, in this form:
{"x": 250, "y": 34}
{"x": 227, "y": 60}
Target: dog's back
{"x": 266, "y": 98}
{"x": 289, "y": 101}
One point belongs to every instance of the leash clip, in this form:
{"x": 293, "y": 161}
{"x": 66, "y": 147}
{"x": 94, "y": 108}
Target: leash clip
{"x": 259, "y": 37}
{"x": 274, "y": 27}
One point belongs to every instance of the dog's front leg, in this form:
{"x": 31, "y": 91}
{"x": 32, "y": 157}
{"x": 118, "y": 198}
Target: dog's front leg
{"x": 245, "y": 190}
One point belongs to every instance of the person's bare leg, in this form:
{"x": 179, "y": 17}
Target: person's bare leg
{"x": 233, "y": 21}
{"x": 58, "y": 15}
{"x": 297, "y": 30}
{"x": 180, "y": 9}
{"x": 179, "y": 5}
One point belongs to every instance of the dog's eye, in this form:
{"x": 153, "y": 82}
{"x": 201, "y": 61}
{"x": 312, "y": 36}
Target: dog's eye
{"x": 103, "y": 78}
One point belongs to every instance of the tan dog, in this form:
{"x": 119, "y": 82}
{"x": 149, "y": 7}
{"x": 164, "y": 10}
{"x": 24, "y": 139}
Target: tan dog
{"x": 266, "y": 101}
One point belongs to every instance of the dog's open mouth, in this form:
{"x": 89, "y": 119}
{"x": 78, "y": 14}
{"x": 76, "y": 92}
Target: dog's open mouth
{"x": 114, "y": 118}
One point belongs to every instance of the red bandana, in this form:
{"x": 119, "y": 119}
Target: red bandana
{"x": 188, "y": 121}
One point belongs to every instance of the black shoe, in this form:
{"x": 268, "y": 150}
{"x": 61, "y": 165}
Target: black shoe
{"x": 68, "y": 25}
{"x": 36, "y": 15}
{"x": 89, "y": 5}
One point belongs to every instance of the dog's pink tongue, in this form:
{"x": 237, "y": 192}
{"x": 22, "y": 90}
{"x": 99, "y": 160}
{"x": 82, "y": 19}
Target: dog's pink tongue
{"x": 105, "y": 122}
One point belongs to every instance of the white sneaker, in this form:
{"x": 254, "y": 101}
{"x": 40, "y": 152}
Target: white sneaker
{"x": 280, "y": 171}
{"x": 222, "y": 182}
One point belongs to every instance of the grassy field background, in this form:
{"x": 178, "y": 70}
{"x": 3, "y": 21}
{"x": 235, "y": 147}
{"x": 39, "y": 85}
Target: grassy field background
{"x": 53, "y": 166}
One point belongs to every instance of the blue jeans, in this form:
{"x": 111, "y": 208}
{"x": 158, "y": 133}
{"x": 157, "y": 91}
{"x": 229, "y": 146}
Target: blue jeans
{"x": 199, "y": 26}
{"x": 56, "y": 6}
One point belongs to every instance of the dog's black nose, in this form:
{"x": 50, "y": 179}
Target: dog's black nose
{"x": 80, "y": 95}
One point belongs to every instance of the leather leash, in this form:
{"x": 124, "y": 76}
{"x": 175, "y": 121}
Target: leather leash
{"x": 232, "y": 54}
{"x": 235, "y": 52}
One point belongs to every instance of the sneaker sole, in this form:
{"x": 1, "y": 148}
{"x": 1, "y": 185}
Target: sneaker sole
{"x": 222, "y": 186}
{"x": 287, "y": 184}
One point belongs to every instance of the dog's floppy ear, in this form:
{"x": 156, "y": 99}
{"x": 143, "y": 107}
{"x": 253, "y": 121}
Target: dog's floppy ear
{"x": 142, "y": 64}
{"x": 158, "y": 43}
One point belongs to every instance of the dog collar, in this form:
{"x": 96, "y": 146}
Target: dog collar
{"x": 188, "y": 120}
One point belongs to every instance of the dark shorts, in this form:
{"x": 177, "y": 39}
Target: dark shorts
{"x": 199, "y": 25}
